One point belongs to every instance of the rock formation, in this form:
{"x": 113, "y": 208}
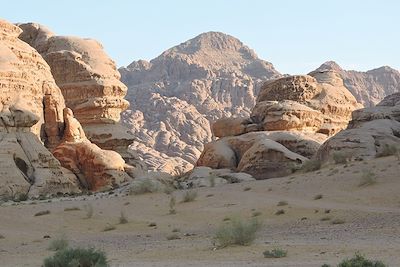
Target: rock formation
{"x": 370, "y": 132}
{"x": 176, "y": 96}
{"x": 90, "y": 83}
{"x": 292, "y": 117}
{"x": 30, "y": 111}
{"x": 368, "y": 87}
{"x": 97, "y": 169}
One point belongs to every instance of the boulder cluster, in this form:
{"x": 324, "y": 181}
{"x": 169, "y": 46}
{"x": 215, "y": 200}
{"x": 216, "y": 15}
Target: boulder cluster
{"x": 292, "y": 117}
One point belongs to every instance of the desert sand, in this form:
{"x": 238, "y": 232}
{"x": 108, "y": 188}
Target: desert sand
{"x": 367, "y": 217}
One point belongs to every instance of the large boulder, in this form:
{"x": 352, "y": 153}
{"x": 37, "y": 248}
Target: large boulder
{"x": 90, "y": 83}
{"x": 369, "y": 133}
{"x": 97, "y": 169}
{"x": 318, "y": 102}
{"x": 252, "y": 153}
{"x": 28, "y": 94}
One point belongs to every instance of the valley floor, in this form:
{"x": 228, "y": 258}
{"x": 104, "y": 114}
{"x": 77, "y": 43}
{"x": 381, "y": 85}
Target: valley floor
{"x": 367, "y": 217}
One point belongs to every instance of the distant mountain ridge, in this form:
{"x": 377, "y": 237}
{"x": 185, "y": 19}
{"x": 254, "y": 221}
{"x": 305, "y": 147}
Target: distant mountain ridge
{"x": 176, "y": 96}
{"x": 368, "y": 87}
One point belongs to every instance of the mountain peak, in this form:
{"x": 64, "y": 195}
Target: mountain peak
{"x": 330, "y": 65}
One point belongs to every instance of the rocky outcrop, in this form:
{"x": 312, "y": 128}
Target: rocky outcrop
{"x": 176, "y": 96}
{"x": 293, "y": 116}
{"x": 89, "y": 82}
{"x": 370, "y": 132}
{"x": 252, "y": 153}
{"x": 318, "y": 102}
{"x": 97, "y": 169}
{"x": 368, "y": 87}
{"x": 30, "y": 111}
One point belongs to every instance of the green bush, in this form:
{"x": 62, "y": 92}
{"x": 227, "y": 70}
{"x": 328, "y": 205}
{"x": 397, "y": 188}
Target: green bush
{"x": 275, "y": 253}
{"x": 367, "y": 178}
{"x": 340, "y": 157}
{"x": 237, "y": 232}
{"x": 358, "y": 261}
{"x": 189, "y": 196}
{"x": 77, "y": 257}
{"x": 387, "y": 150}
{"x": 144, "y": 186}
{"x": 58, "y": 244}
{"x": 311, "y": 165}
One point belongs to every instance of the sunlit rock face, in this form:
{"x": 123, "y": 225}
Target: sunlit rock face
{"x": 89, "y": 82}
{"x": 372, "y": 131}
{"x": 369, "y": 87}
{"x": 292, "y": 117}
{"x": 176, "y": 96}
{"x": 31, "y": 107}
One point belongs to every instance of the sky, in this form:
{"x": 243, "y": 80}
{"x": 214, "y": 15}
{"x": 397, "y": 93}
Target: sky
{"x": 295, "y": 35}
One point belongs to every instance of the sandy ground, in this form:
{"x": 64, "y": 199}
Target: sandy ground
{"x": 371, "y": 216}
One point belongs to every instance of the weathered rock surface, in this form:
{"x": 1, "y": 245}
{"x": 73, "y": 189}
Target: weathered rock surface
{"x": 176, "y": 96}
{"x": 368, "y": 87}
{"x": 369, "y": 132}
{"x": 293, "y": 116}
{"x": 30, "y": 111}
{"x": 89, "y": 82}
{"x": 252, "y": 153}
{"x": 310, "y": 103}
{"x": 207, "y": 177}
{"x": 97, "y": 169}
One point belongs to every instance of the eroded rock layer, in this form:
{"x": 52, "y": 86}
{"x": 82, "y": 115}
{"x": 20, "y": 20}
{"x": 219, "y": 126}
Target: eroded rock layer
{"x": 31, "y": 107}
{"x": 89, "y": 82}
{"x": 372, "y": 131}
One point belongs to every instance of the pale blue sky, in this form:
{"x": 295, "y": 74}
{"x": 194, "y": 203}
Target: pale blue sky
{"x": 296, "y": 36}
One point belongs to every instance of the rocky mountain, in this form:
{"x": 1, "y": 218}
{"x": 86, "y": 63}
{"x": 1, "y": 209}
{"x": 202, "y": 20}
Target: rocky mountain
{"x": 368, "y": 87}
{"x": 175, "y": 97}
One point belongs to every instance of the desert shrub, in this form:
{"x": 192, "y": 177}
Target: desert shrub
{"x": 338, "y": 221}
{"x": 367, "y": 178}
{"x": 359, "y": 261}
{"x": 237, "y": 232}
{"x": 41, "y": 213}
{"x": 282, "y": 203}
{"x": 109, "y": 227}
{"x": 189, "y": 196}
{"x": 172, "y": 202}
{"x": 122, "y": 218}
{"x": 89, "y": 211}
{"x": 387, "y": 150}
{"x": 72, "y": 209}
{"x": 58, "y": 244}
{"x": 280, "y": 212}
{"x": 340, "y": 157}
{"x": 275, "y": 253}
{"x": 144, "y": 186}
{"x": 77, "y": 257}
{"x": 173, "y": 236}
{"x": 319, "y": 196}
{"x": 311, "y": 165}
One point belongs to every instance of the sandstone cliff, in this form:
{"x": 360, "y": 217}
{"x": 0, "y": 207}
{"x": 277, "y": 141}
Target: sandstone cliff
{"x": 368, "y": 87}
{"x": 31, "y": 107}
{"x": 176, "y": 96}
{"x": 89, "y": 81}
